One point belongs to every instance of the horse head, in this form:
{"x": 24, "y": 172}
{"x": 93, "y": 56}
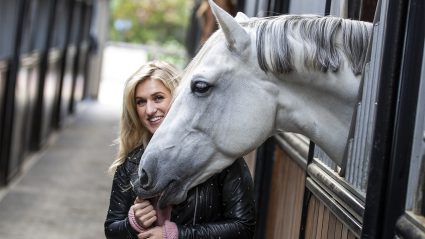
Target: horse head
{"x": 235, "y": 94}
{"x": 215, "y": 117}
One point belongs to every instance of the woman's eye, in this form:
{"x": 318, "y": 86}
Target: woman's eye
{"x": 158, "y": 98}
{"x": 140, "y": 102}
{"x": 200, "y": 88}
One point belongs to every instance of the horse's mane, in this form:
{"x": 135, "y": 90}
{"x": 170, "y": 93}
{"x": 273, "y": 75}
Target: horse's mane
{"x": 319, "y": 35}
{"x": 321, "y": 39}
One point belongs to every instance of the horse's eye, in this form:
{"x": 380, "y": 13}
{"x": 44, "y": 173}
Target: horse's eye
{"x": 200, "y": 87}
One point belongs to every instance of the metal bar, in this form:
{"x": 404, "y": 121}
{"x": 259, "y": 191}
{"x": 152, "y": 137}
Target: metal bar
{"x": 3, "y": 161}
{"x": 354, "y": 9}
{"x": 341, "y": 181}
{"x": 79, "y": 38}
{"x": 262, "y": 183}
{"x": 383, "y": 133}
{"x": 404, "y": 124}
{"x": 9, "y": 102}
{"x": 304, "y": 212}
{"x": 407, "y": 227}
{"x": 86, "y": 66}
{"x": 36, "y": 139}
{"x": 343, "y": 215}
{"x": 57, "y": 119}
{"x": 328, "y": 7}
{"x": 295, "y": 147}
{"x": 339, "y": 193}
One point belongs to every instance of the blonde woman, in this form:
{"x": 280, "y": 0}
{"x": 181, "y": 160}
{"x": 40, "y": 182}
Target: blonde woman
{"x": 222, "y": 207}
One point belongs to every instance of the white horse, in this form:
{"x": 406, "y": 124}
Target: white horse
{"x": 253, "y": 78}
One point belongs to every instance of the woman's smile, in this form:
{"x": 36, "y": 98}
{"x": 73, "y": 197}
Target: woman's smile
{"x": 155, "y": 119}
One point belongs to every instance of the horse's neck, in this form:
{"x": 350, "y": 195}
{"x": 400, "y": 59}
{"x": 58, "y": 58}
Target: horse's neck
{"x": 320, "y": 106}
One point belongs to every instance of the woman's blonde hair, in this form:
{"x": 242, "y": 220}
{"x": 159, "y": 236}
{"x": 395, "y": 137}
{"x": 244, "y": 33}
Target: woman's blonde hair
{"x": 132, "y": 131}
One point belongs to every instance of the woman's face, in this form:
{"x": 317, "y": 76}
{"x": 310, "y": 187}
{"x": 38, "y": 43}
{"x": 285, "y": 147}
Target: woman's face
{"x": 152, "y": 103}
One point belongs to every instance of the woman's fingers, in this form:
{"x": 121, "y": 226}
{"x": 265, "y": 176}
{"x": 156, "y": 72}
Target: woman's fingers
{"x": 149, "y": 222}
{"x": 144, "y": 235}
{"x": 145, "y": 216}
{"x": 138, "y": 212}
{"x": 153, "y": 233}
{"x": 144, "y": 212}
{"x": 146, "y": 220}
{"x": 142, "y": 204}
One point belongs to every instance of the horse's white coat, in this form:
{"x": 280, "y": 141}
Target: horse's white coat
{"x": 204, "y": 133}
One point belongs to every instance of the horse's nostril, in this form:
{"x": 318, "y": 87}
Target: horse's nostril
{"x": 144, "y": 179}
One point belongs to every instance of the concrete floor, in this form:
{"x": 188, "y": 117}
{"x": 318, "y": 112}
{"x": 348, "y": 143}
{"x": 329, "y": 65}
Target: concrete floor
{"x": 63, "y": 191}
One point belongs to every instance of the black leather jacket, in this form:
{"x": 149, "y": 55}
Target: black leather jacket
{"x": 222, "y": 207}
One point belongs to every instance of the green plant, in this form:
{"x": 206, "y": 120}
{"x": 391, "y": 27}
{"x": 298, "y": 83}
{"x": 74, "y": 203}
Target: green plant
{"x": 145, "y": 21}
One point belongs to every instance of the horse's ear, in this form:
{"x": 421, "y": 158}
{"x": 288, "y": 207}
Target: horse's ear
{"x": 241, "y": 17}
{"x": 237, "y": 38}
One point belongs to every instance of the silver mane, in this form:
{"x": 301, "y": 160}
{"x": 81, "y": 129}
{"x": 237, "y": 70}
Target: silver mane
{"x": 323, "y": 50}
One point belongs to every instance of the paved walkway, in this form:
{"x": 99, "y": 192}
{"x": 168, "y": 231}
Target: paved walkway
{"x": 63, "y": 192}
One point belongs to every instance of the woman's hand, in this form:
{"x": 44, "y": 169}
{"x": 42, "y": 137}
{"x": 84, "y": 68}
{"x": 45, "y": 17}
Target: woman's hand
{"x": 144, "y": 213}
{"x": 153, "y": 233}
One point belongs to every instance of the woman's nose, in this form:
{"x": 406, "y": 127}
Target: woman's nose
{"x": 150, "y": 108}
